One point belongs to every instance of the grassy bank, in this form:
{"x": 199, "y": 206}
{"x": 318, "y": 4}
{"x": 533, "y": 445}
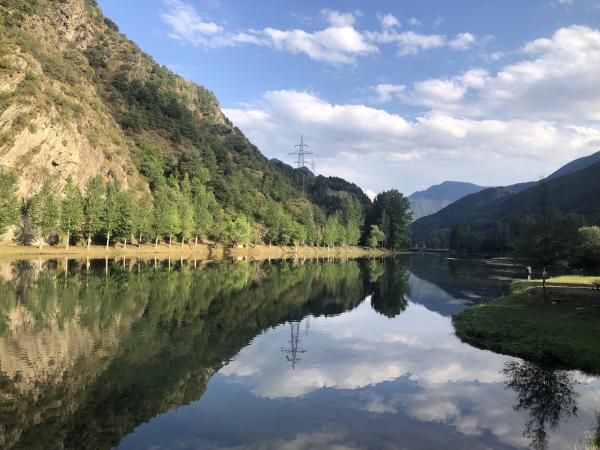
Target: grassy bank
{"x": 202, "y": 251}
{"x": 561, "y": 330}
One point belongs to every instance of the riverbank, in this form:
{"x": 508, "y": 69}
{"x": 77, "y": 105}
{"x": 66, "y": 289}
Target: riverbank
{"x": 201, "y": 251}
{"x": 560, "y": 329}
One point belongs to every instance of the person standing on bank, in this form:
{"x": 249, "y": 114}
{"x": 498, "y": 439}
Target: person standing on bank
{"x": 528, "y": 273}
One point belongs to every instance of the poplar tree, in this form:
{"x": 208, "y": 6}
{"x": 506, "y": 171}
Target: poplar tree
{"x": 93, "y": 207}
{"x": 162, "y": 209}
{"x": 186, "y": 210}
{"x": 376, "y": 236}
{"x": 124, "y": 228}
{"x": 71, "y": 217}
{"x": 111, "y": 210}
{"x": 204, "y": 203}
{"x": 9, "y": 203}
{"x": 142, "y": 217}
{"x": 45, "y": 213}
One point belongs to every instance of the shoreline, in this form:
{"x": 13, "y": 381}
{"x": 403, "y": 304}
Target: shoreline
{"x": 201, "y": 251}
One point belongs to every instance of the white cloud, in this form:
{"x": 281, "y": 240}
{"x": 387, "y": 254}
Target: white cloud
{"x": 414, "y": 22}
{"x": 462, "y": 41}
{"x": 339, "y": 43}
{"x": 372, "y": 147}
{"x": 386, "y": 92}
{"x": 389, "y": 21}
{"x": 411, "y": 43}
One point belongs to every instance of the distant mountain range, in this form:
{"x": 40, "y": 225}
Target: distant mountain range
{"x": 431, "y": 200}
{"x": 574, "y": 188}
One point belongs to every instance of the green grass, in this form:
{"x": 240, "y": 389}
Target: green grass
{"x": 562, "y": 332}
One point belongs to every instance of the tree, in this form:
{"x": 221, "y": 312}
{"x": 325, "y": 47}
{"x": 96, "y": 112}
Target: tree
{"x": 331, "y": 230}
{"x": 240, "y": 230}
{"x": 111, "y": 210}
{"x": 71, "y": 214}
{"x": 461, "y": 238}
{"x": 391, "y": 211}
{"x": 186, "y": 210}
{"x": 93, "y": 208}
{"x": 376, "y": 236}
{"x": 125, "y": 220}
{"x": 172, "y": 223}
{"x": 45, "y": 213}
{"x": 352, "y": 220}
{"x": 9, "y": 203}
{"x": 142, "y": 217}
{"x": 162, "y": 212}
{"x": 203, "y": 202}
{"x": 588, "y": 248}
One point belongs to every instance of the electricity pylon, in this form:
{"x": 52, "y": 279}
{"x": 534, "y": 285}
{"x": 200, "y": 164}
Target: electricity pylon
{"x": 300, "y": 153}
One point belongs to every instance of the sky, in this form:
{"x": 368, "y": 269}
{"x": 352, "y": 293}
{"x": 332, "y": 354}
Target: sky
{"x": 392, "y": 94}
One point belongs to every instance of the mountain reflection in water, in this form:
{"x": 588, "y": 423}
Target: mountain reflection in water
{"x": 289, "y": 354}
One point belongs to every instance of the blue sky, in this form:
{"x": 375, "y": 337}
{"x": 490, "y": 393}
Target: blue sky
{"x": 392, "y": 93}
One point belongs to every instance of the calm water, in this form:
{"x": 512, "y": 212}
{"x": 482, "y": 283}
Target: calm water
{"x": 287, "y": 355}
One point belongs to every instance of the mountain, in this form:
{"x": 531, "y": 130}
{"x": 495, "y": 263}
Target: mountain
{"x": 431, "y": 200}
{"x": 78, "y": 99}
{"x": 569, "y": 191}
{"x": 325, "y": 191}
{"x": 575, "y": 165}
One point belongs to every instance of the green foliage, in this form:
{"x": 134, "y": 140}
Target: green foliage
{"x": 391, "y": 212}
{"x": 111, "y": 211}
{"x": 376, "y": 236}
{"x": 9, "y": 204}
{"x": 142, "y": 217}
{"x": 45, "y": 213}
{"x": 588, "y": 248}
{"x": 126, "y": 219}
{"x": 93, "y": 207}
{"x": 71, "y": 214}
{"x": 333, "y": 231}
{"x": 239, "y": 230}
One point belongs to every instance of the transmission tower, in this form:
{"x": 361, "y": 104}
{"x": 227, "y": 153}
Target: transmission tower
{"x": 293, "y": 352}
{"x": 300, "y": 153}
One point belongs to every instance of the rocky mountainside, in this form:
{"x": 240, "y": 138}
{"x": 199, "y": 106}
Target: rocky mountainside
{"x": 77, "y": 98}
{"x": 431, "y": 200}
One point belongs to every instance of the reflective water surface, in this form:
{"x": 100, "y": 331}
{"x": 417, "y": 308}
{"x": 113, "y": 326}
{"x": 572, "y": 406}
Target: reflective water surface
{"x": 136, "y": 354}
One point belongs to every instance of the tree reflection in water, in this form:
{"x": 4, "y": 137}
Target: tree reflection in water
{"x": 547, "y": 394}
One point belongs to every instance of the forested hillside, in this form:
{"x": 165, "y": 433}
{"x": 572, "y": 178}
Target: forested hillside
{"x": 497, "y": 219}
{"x": 91, "y": 123}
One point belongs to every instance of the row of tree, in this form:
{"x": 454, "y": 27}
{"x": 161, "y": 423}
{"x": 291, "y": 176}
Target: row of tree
{"x": 185, "y": 210}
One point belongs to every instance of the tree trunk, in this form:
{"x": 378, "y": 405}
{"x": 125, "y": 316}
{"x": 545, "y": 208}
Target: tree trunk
{"x": 182, "y": 240}
{"x": 156, "y": 242}
{"x": 89, "y": 241}
{"x": 140, "y": 241}
{"x": 125, "y": 244}
{"x": 107, "y": 240}
{"x": 41, "y": 243}
{"x": 196, "y": 242}
{"x": 68, "y": 238}
{"x": 170, "y": 240}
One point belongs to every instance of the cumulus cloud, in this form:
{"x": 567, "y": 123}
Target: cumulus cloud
{"x": 556, "y": 78}
{"x": 385, "y": 92}
{"x": 340, "y": 42}
{"x": 348, "y": 136}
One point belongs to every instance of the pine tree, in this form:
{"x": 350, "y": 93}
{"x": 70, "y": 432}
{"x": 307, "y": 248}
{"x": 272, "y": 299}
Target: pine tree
{"x": 71, "y": 217}
{"x": 9, "y": 203}
{"x": 45, "y": 213}
{"x": 93, "y": 206}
